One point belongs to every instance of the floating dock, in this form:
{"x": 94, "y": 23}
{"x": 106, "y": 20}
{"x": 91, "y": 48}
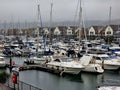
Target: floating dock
{"x": 36, "y": 67}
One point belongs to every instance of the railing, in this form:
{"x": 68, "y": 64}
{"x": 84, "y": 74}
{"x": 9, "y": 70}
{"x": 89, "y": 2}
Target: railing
{"x": 21, "y": 85}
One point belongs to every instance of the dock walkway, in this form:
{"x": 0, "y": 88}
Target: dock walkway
{"x": 4, "y": 87}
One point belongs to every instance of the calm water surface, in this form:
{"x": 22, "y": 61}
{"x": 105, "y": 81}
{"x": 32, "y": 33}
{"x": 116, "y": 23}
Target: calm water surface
{"x": 49, "y": 81}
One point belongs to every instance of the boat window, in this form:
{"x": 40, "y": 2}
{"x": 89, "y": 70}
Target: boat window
{"x": 66, "y": 59}
{"x": 83, "y": 52}
{"x": 113, "y": 57}
{"x": 115, "y": 50}
{"x": 89, "y": 45}
{"x": 57, "y": 60}
{"x": 98, "y": 58}
{"x": 105, "y": 58}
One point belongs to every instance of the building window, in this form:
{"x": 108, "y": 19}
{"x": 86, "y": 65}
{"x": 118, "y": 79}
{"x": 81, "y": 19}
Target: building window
{"x": 56, "y": 33}
{"x": 91, "y": 33}
{"x": 108, "y": 33}
{"x": 69, "y": 33}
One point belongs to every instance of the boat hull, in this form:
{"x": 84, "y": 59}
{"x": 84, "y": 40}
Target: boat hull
{"x": 69, "y": 70}
{"x": 111, "y": 67}
{"x": 94, "y": 68}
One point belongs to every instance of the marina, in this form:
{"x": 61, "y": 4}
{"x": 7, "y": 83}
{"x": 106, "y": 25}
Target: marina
{"x": 55, "y": 52}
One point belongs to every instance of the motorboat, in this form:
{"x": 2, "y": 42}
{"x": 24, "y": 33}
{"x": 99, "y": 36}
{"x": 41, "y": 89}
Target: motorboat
{"x": 86, "y": 61}
{"x": 106, "y": 62}
{"x": 36, "y": 60}
{"x": 65, "y": 65}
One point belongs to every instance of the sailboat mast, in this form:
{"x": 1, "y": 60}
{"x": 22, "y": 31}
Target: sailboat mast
{"x": 83, "y": 23}
{"x": 80, "y": 23}
{"x": 109, "y": 23}
{"x": 12, "y": 25}
{"x": 50, "y": 32}
{"x": 110, "y": 15}
{"x": 38, "y": 22}
{"x": 76, "y": 12}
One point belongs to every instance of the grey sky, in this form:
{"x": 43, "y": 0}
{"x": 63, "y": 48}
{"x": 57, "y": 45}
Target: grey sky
{"x": 63, "y": 10}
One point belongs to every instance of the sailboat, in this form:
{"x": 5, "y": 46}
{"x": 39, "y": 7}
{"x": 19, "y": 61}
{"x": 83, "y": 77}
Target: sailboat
{"x": 37, "y": 59}
{"x": 85, "y": 60}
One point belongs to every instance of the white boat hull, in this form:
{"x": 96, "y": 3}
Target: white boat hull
{"x": 69, "y": 70}
{"x": 95, "y": 68}
{"x": 111, "y": 67}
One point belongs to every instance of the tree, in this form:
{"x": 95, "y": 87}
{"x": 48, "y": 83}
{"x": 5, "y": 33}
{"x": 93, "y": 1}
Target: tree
{"x": 3, "y": 77}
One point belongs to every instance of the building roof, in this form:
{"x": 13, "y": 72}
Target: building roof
{"x": 114, "y": 27}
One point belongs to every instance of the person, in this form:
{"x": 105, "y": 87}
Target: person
{"x": 13, "y": 62}
{"x": 78, "y": 54}
{"x": 10, "y": 61}
{"x": 28, "y": 55}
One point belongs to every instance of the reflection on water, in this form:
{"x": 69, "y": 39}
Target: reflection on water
{"x": 74, "y": 78}
{"x": 109, "y": 78}
{"x": 48, "y": 81}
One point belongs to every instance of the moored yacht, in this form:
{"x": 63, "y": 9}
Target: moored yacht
{"x": 106, "y": 62}
{"x": 36, "y": 60}
{"x": 65, "y": 65}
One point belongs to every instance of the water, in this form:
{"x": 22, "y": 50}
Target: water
{"x": 49, "y": 81}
